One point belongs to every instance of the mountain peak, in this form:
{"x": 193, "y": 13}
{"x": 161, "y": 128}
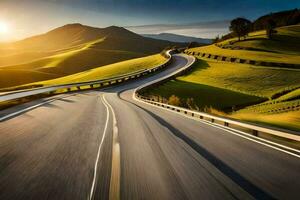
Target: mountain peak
{"x": 117, "y": 31}
{"x": 73, "y": 25}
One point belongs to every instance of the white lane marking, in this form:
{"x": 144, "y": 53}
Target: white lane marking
{"x": 114, "y": 189}
{"x": 29, "y": 108}
{"x": 253, "y": 140}
{"x": 98, "y": 153}
{"x": 256, "y": 138}
{"x": 205, "y": 122}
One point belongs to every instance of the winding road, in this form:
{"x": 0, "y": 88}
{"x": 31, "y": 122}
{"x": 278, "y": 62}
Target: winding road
{"x": 105, "y": 144}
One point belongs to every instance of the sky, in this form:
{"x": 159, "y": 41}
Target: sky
{"x": 23, "y": 18}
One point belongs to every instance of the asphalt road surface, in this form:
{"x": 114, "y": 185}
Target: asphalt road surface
{"x": 106, "y": 145}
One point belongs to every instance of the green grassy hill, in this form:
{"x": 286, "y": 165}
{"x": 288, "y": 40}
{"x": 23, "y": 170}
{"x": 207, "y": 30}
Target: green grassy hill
{"x": 71, "y": 49}
{"x": 284, "y": 48}
{"x": 262, "y": 94}
{"x": 107, "y": 71}
{"x": 285, "y": 41}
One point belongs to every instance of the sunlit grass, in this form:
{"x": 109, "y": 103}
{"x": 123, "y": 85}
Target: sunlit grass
{"x": 71, "y": 61}
{"x": 230, "y": 87}
{"x": 289, "y": 120}
{"x": 108, "y": 71}
{"x": 291, "y": 95}
{"x": 284, "y": 48}
{"x": 204, "y": 95}
{"x": 249, "y": 54}
{"x": 243, "y": 78}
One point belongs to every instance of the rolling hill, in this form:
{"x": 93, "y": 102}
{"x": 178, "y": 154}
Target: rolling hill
{"x": 283, "y": 48}
{"x": 178, "y": 38}
{"x": 253, "y": 92}
{"x": 71, "y": 49}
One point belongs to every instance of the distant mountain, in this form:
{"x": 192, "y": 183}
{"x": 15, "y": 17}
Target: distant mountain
{"x": 73, "y": 36}
{"x": 178, "y": 38}
{"x": 70, "y": 35}
{"x": 71, "y": 49}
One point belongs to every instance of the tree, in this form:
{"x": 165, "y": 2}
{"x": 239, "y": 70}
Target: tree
{"x": 240, "y": 26}
{"x": 216, "y": 39}
{"x": 192, "y": 45}
{"x": 270, "y": 26}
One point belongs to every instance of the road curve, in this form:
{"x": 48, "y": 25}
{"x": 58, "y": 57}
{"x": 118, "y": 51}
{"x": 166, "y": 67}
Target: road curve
{"x": 106, "y": 145}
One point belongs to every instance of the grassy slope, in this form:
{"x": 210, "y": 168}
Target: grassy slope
{"x": 284, "y": 110}
{"x": 204, "y": 95}
{"x": 108, "y": 71}
{"x": 223, "y": 85}
{"x": 283, "y": 48}
{"x": 295, "y": 94}
{"x": 65, "y": 63}
{"x": 289, "y": 120}
{"x": 286, "y": 41}
{"x": 242, "y": 78}
{"x": 68, "y": 50}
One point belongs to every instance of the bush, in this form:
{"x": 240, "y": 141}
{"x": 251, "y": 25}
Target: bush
{"x": 174, "y": 100}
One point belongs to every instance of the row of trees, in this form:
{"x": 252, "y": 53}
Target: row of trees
{"x": 241, "y": 27}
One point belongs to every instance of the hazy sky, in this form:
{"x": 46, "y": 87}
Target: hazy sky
{"x": 29, "y": 17}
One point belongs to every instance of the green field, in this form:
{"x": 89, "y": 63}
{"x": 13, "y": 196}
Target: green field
{"x": 67, "y": 62}
{"x": 284, "y": 48}
{"x": 108, "y": 71}
{"x": 243, "y": 78}
{"x": 238, "y": 91}
{"x": 260, "y": 94}
{"x": 286, "y": 41}
{"x": 288, "y": 120}
{"x": 204, "y": 95}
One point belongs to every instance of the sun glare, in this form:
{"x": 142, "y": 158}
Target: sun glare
{"x": 3, "y": 27}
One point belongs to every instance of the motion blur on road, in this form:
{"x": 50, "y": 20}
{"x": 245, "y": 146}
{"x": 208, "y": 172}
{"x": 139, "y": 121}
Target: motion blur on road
{"x": 104, "y": 144}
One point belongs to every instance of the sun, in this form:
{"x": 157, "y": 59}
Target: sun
{"x": 3, "y": 27}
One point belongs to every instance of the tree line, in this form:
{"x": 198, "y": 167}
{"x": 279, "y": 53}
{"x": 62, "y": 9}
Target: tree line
{"x": 240, "y": 27}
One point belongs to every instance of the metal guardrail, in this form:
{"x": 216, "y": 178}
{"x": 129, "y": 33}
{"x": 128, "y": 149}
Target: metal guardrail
{"x": 226, "y": 121}
{"x": 48, "y": 89}
{"x": 255, "y": 128}
{"x": 291, "y": 66}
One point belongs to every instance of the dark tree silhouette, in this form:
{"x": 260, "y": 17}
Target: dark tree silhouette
{"x": 270, "y": 26}
{"x": 192, "y": 45}
{"x": 240, "y": 26}
{"x": 216, "y": 39}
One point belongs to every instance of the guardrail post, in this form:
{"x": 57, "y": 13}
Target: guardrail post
{"x": 69, "y": 89}
{"x": 78, "y": 87}
{"x": 212, "y": 120}
{"x": 92, "y": 86}
{"x": 201, "y": 117}
{"x": 255, "y": 132}
{"x": 226, "y": 124}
